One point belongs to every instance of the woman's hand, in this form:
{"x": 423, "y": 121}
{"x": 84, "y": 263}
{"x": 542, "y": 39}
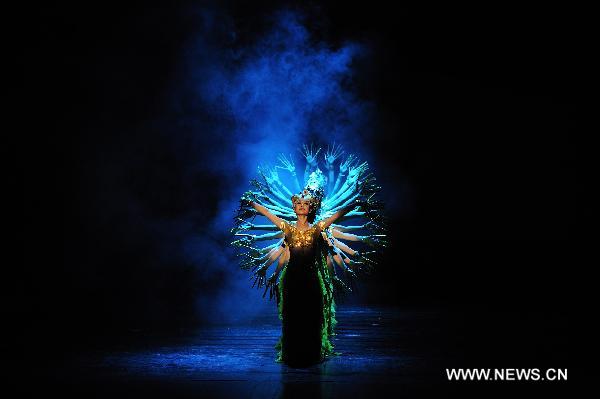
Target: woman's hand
{"x": 346, "y": 164}
{"x": 310, "y": 155}
{"x": 339, "y": 284}
{"x": 248, "y": 198}
{"x": 244, "y": 226}
{"x": 274, "y": 175}
{"x": 271, "y": 285}
{"x": 272, "y": 278}
{"x": 287, "y": 164}
{"x": 332, "y": 154}
{"x": 363, "y": 262}
{"x": 260, "y": 274}
{"x": 270, "y": 175}
{"x": 356, "y": 171}
{"x": 375, "y": 240}
{"x": 244, "y": 239}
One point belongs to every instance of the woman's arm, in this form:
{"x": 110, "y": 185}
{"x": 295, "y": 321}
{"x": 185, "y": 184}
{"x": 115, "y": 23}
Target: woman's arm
{"x": 343, "y": 169}
{"x": 370, "y": 239}
{"x": 262, "y": 237}
{"x": 339, "y": 227}
{"x": 271, "y": 284}
{"x": 330, "y": 156}
{"x": 265, "y": 212}
{"x": 288, "y": 164}
{"x": 346, "y": 236}
{"x": 345, "y": 248}
{"x": 283, "y": 260}
{"x": 330, "y": 181}
{"x": 311, "y": 159}
{"x": 339, "y": 214}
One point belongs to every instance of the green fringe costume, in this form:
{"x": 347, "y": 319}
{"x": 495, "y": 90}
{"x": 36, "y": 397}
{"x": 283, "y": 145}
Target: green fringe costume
{"x": 306, "y": 304}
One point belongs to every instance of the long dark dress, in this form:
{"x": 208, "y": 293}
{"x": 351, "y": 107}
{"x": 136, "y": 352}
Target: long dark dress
{"x": 306, "y": 305}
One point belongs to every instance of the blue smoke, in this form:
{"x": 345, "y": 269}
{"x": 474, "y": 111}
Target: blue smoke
{"x": 243, "y": 106}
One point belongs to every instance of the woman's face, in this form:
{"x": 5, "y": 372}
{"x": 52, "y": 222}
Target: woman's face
{"x": 302, "y": 207}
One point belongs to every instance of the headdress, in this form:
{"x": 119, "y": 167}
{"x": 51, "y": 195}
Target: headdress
{"x": 314, "y": 190}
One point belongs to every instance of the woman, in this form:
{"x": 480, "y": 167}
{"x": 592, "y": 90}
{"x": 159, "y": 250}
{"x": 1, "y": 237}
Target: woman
{"x": 307, "y": 252}
{"x": 307, "y": 308}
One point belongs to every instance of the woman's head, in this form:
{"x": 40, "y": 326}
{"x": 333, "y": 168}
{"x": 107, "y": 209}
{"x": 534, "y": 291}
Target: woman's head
{"x": 305, "y": 204}
{"x": 301, "y": 206}
{"x": 312, "y": 195}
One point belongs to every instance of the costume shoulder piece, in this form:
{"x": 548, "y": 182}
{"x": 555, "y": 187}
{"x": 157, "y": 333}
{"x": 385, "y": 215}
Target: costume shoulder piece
{"x": 351, "y": 243}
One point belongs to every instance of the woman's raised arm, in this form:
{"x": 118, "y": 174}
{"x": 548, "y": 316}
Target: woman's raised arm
{"x": 339, "y": 214}
{"x": 265, "y": 212}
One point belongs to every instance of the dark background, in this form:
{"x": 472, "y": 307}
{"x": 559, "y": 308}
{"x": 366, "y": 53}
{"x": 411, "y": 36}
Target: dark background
{"x": 478, "y": 114}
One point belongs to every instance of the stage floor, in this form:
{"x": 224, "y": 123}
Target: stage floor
{"x": 383, "y": 351}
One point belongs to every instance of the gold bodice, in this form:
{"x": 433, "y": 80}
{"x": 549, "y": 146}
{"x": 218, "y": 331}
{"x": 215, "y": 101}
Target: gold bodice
{"x": 300, "y": 238}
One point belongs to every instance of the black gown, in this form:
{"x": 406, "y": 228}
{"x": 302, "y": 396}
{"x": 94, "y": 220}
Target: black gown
{"x": 305, "y": 300}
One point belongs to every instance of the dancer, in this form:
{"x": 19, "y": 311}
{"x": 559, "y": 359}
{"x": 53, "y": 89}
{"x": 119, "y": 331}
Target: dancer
{"x": 309, "y": 247}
